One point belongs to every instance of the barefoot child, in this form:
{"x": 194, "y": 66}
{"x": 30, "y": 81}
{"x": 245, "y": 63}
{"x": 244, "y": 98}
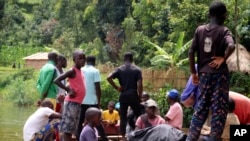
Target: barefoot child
{"x": 92, "y": 119}
{"x": 76, "y": 93}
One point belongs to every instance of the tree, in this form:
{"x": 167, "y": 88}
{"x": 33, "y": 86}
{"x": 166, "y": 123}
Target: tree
{"x": 163, "y": 59}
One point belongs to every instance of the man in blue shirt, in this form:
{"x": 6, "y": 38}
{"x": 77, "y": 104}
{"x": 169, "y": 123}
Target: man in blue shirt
{"x": 93, "y": 93}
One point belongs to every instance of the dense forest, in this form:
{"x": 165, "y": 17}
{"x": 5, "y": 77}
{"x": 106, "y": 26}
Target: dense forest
{"x": 155, "y": 30}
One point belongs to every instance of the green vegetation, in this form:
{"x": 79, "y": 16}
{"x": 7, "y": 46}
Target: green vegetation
{"x": 107, "y": 28}
{"x": 158, "y": 32}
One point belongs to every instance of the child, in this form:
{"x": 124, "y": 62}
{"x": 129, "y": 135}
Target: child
{"x": 110, "y": 116}
{"x": 213, "y": 44}
{"x": 174, "y": 116}
{"x": 61, "y": 63}
{"x": 76, "y": 92}
{"x": 150, "y": 118}
{"x": 38, "y": 126}
{"x": 92, "y": 119}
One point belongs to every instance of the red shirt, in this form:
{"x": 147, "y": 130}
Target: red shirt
{"x": 78, "y": 85}
{"x": 242, "y": 107}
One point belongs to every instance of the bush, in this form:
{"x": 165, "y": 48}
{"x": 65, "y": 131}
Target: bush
{"x": 22, "y": 93}
{"x": 20, "y": 87}
{"x": 240, "y": 82}
{"x": 108, "y": 93}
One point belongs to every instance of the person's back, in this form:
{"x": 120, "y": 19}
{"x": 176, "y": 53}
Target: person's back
{"x": 91, "y": 75}
{"x": 214, "y": 40}
{"x": 36, "y": 121}
{"x": 213, "y": 44}
{"x": 174, "y": 116}
{"x": 45, "y": 85}
{"x": 241, "y": 102}
{"x": 39, "y": 119}
{"x": 128, "y": 77}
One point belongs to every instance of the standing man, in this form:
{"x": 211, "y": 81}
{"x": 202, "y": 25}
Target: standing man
{"x": 45, "y": 84}
{"x": 61, "y": 63}
{"x": 130, "y": 88}
{"x": 93, "y": 93}
{"x": 213, "y": 44}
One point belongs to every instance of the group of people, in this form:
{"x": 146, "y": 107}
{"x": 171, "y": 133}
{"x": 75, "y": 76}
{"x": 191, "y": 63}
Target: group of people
{"x": 75, "y": 94}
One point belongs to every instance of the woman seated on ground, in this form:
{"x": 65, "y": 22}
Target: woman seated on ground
{"x": 150, "y": 118}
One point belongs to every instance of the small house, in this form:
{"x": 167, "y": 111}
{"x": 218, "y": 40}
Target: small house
{"x": 36, "y": 60}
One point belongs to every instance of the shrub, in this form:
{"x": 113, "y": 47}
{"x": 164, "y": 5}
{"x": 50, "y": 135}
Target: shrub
{"x": 22, "y": 93}
{"x": 108, "y": 93}
{"x": 240, "y": 82}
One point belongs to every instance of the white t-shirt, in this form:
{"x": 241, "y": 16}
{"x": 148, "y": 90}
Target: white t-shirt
{"x": 36, "y": 122}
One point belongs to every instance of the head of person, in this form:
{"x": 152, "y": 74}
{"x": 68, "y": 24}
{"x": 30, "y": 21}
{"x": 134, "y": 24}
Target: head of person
{"x": 52, "y": 56}
{"x": 151, "y": 108}
{"x": 61, "y": 61}
{"x": 128, "y": 57}
{"x": 93, "y": 116}
{"x": 47, "y": 103}
{"x": 218, "y": 11}
{"x": 145, "y": 96}
{"x": 172, "y": 96}
{"x": 111, "y": 106}
{"x": 231, "y": 105}
{"x": 90, "y": 60}
{"x": 79, "y": 58}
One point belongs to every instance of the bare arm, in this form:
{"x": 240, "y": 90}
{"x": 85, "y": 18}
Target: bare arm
{"x": 229, "y": 50}
{"x": 98, "y": 92}
{"x": 55, "y": 115}
{"x": 58, "y": 80}
{"x": 112, "y": 83}
{"x": 191, "y": 58}
{"x": 217, "y": 61}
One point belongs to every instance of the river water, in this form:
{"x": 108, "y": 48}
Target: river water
{"x": 12, "y": 120}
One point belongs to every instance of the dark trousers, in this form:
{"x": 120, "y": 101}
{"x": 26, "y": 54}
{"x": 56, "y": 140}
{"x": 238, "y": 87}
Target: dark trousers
{"x": 214, "y": 95}
{"x": 100, "y": 128}
{"x": 123, "y": 114}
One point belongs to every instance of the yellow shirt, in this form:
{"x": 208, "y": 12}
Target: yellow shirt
{"x": 111, "y": 117}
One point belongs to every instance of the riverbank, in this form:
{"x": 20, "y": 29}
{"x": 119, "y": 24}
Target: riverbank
{"x": 12, "y": 119}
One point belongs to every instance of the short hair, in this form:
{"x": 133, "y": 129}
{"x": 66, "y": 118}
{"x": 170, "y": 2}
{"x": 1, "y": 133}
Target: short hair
{"x": 217, "y": 9}
{"x": 61, "y": 57}
{"x": 46, "y": 103}
{"x": 77, "y": 52}
{"x": 52, "y": 56}
{"x": 111, "y": 103}
{"x": 91, "y": 112}
{"x": 90, "y": 59}
{"x": 231, "y": 105}
{"x": 128, "y": 56}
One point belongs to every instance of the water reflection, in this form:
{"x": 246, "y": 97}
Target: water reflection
{"x": 12, "y": 119}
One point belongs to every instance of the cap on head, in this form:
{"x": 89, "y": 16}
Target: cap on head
{"x": 217, "y": 9}
{"x": 151, "y": 103}
{"x": 173, "y": 94}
